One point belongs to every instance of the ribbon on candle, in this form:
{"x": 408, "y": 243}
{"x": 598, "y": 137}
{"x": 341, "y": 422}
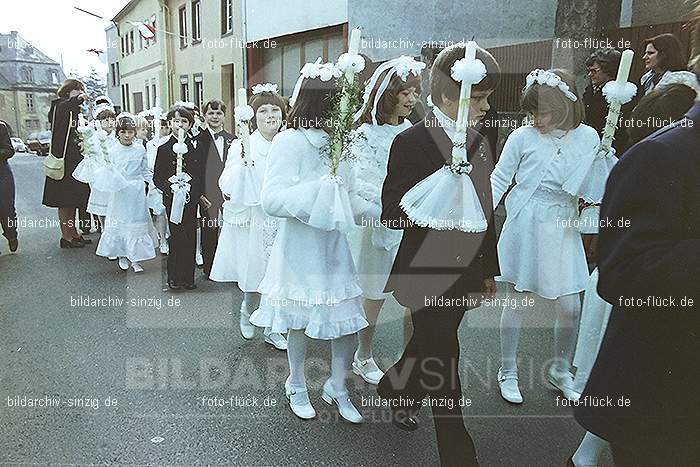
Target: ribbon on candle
{"x": 179, "y": 185}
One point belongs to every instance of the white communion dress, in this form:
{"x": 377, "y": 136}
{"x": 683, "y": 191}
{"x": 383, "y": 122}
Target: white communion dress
{"x": 310, "y": 282}
{"x": 374, "y": 246}
{"x": 540, "y": 249}
{"x": 128, "y": 230}
{"x": 247, "y": 234}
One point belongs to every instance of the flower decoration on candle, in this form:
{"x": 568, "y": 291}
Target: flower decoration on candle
{"x": 323, "y": 71}
{"x": 85, "y": 170}
{"x": 447, "y": 199}
{"x": 244, "y": 182}
{"x": 179, "y": 183}
{"x": 265, "y": 87}
{"x": 351, "y": 63}
{"x": 588, "y": 182}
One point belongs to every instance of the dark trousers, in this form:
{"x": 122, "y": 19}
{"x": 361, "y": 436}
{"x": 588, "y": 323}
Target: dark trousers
{"x": 210, "y": 238}
{"x": 429, "y": 367}
{"x": 183, "y": 246}
{"x": 8, "y": 215}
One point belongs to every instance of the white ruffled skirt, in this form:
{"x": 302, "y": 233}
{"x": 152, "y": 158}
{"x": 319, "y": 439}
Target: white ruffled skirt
{"x": 374, "y": 251}
{"x": 128, "y": 230}
{"x": 540, "y": 249}
{"x": 244, "y": 249}
{"x": 311, "y": 284}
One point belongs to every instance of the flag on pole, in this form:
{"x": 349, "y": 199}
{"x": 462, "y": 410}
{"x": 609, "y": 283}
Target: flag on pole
{"x": 147, "y": 31}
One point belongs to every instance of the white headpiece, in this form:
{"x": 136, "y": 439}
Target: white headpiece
{"x": 323, "y": 71}
{"x": 106, "y": 104}
{"x": 548, "y": 78}
{"x": 402, "y": 67}
{"x": 266, "y": 87}
{"x": 187, "y": 105}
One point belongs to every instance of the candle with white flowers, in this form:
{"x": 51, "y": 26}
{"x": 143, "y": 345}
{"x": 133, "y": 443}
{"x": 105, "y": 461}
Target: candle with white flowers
{"x": 462, "y": 71}
{"x": 180, "y": 155}
{"x": 617, "y": 93}
{"x": 242, "y": 125}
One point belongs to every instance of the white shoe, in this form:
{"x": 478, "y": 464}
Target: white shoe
{"x": 508, "y": 384}
{"x": 247, "y": 329}
{"x": 112, "y": 258}
{"x": 136, "y": 267}
{"x": 276, "y": 340}
{"x": 199, "y": 259}
{"x": 299, "y": 402}
{"x": 367, "y": 369}
{"x": 164, "y": 248}
{"x": 342, "y": 400}
{"x": 563, "y": 380}
{"x": 123, "y": 263}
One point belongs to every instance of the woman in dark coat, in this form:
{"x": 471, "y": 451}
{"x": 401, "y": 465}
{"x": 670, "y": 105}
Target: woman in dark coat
{"x": 67, "y": 194}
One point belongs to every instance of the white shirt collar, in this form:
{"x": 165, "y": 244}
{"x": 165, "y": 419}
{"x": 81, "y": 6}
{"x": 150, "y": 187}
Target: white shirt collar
{"x": 447, "y": 124}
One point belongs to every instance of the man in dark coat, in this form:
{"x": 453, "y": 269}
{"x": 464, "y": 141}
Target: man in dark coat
{"x": 8, "y": 216}
{"x": 213, "y": 144}
{"x": 649, "y": 262}
{"x": 435, "y": 266}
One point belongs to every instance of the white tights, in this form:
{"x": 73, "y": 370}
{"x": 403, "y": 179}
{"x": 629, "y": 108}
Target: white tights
{"x": 342, "y": 349}
{"x": 568, "y": 309}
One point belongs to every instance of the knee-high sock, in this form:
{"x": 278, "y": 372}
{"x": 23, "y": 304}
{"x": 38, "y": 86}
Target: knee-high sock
{"x": 590, "y": 449}
{"x": 565, "y": 330}
{"x": 342, "y": 349}
{"x": 251, "y": 301}
{"x": 161, "y": 223}
{"x": 296, "y": 354}
{"x": 511, "y": 322}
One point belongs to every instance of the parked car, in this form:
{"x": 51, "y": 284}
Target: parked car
{"x": 18, "y": 145}
{"x": 39, "y": 142}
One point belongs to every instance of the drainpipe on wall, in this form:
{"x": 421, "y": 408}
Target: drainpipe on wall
{"x": 244, "y": 49}
{"x": 166, "y": 54}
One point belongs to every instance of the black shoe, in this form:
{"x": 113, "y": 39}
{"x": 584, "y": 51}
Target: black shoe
{"x": 74, "y": 243}
{"x": 13, "y": 244}
{"x": 173, "y": 285}
{"x": 404, "y": 419}
{"x": 189, "y": 286}
{"x": 86, "y": 241}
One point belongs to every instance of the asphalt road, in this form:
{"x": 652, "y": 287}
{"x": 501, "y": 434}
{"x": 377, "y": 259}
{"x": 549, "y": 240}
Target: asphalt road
{"x": 136, "y": 381}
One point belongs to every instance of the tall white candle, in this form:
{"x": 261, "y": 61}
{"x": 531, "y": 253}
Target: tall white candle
{"x": 243, "y": 128}
{"x": 623, "y": 72}
{"x": 180, "y": 140}
{"x": 465, "y": 92}
{"x": 354, "y": 46}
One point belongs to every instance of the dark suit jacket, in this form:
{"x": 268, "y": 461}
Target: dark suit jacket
{"x": 650, "y": 354}
{"x": 166, "y": 165}
{"x": 212, "y": 166}
{"x": 6, "y": 149}
{"x": 432, "y": 262}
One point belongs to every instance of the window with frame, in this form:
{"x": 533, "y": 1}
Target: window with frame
{"x": 182, "y": 15}
{"x": 148, "y": 96}
{"x": 29, "y": 74}
{"x": 196, "y": 21}
{"x": 226, "y": 16}
{"x": 198, "y": 90}
{"x": 53, "y": 76}
{"x": 30, "y": 102}
{"x": 113, "y": 72}
{"x": 184, "y": 88}
{"x": 131, "y": 42}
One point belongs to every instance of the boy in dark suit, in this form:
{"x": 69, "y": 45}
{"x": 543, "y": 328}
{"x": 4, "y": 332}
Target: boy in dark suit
{"x": 183, "y": 236}
{"x": 433, "y": 265}
{"x": 213, "y": 144}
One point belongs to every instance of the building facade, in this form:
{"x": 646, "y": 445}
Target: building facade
{"x": 283, "y": 36}
{"x": 28, "y": 83}
{"x": 141, "y": 64}
{"x": 114, "y": 90}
